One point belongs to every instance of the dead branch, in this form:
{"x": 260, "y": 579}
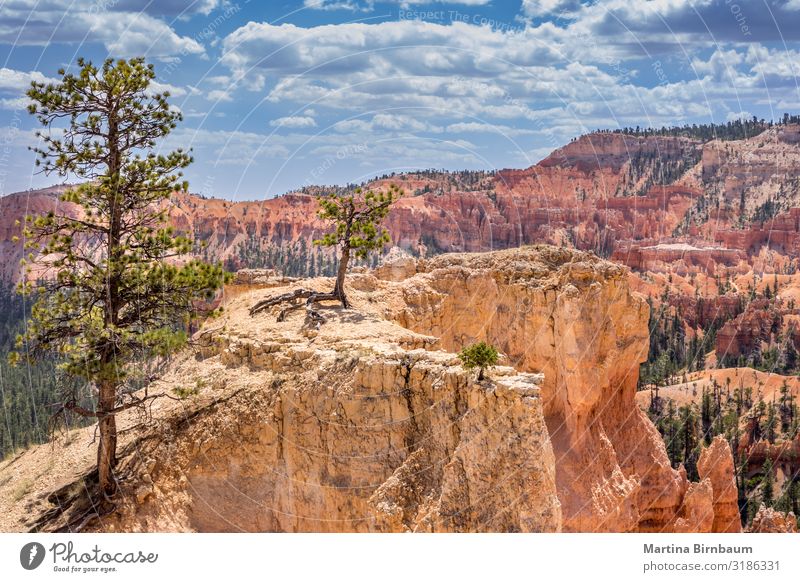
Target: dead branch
{"x": 311, "y": 297}
{"x": 74, "y": 407}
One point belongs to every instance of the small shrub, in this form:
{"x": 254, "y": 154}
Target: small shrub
{"x": 480, "y": 355}
{"x": 183, "y": 392}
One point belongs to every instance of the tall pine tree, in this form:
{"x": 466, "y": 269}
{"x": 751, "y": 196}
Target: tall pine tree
{"x": 112, "y": 301}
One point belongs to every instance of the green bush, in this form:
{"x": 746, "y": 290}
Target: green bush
{"x": 480, "y": 355}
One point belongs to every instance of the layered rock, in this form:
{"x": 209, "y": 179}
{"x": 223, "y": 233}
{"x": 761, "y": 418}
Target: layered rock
{"x": 352, "y": 427}
{"x": 663, "y": 257}
{"x": 768, "y": 520}
{"x": 743, "y": 334}
{"x": 615, "y": 150}
{"x": 572, "y": 317}
{"x": 364, "y": 425}
{"x": 607, "y": 192}
{"x": 716, "y": 466}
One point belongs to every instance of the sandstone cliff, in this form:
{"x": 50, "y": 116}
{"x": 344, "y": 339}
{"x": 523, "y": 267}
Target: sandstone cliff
{"x": 572, "y": 317}
{"x": 369, "y": 424}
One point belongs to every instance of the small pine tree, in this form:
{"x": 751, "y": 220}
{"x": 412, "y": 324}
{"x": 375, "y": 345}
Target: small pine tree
{"x": 480, "y": 355}
{"x": 768, "y": 485}
{"x": 689, "y": 440}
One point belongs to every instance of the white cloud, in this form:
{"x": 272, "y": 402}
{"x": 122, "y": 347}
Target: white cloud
{"x": 14, "y": 104}
{"x": 407, "y": 77}
{"x": 406, "y": 47}
{"x": 368, "y": 5}
{"x": 293, "y": 122}
{"x": 475, "y": 127}
{"x": 335, "y": 5}
{"x": 165, "y": 7}
{"x": 219, "y": 95}
{"x": 20, "y": 81}
{"x": 230, "y": 148}
{"x": 756, "y": 68}
{"x": 550, "y": 8}
{"x": 173, "y": 90}
{"x": 124, "y": 34}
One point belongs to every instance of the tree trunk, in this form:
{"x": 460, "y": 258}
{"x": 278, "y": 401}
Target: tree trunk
{"x": 107, "y": 399}
{"x": 338, "y": 289}
{"x": 107, "y": 448}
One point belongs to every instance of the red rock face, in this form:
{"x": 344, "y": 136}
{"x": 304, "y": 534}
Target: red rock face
{"x": 702, "y": 311}
{"x": 577, "y": 197}
{"x": 744, "y": 333}
{"x": 768, "y": 520}
{"x": 621, "y": 196}
{"x": 782, "y": 233}
{"x": 785, "y": 455}
{"x": 716, "y": 466}
{"x": 615, "y": 150}
{"x": 13, "y": 209}
{"x": 677, "y": 255}
{"x": 658, "y": 205}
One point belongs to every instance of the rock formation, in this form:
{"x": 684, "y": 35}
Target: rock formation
{"x": 716, "y": 466}
{"x": 744, "y": 333}
{"x": 768, "y": 520}
{"x": 606, "y": 192}
{"x": 367, "y": 425}
{"x": 572, "y": 317}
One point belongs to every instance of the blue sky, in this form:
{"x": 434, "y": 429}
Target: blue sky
{"x": 279, "y": 94}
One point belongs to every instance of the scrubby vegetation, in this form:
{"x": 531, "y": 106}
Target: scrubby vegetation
{"x": 731, "y": 130}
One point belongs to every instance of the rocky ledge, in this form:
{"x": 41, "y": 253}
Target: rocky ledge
{"x": 369, "y": 423}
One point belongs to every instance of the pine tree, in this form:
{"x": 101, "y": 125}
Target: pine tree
{"x": 768, "y": 484}
{"x": 789, "y": 355}
{"x": 770, "y": 425}
{"x": 115, "y": 302}
{"x": 706, "y": 415}
{"x": 689, "y": 441}
{"x": 744, "y": 503}
{"x": 356, "y": 218}
{"x": 357, "y": 222}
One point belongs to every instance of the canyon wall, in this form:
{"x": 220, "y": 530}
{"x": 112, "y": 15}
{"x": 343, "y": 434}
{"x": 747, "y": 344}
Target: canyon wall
{"x": 606, "y": 192}
{"x": 368, "y": 422}
{"x": 352, "y": 427}
{"x": 572, "y": 317}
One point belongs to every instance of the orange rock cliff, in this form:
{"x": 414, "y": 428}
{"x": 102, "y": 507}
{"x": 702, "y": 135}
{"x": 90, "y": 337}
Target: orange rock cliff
{"x": 368, "y": 423}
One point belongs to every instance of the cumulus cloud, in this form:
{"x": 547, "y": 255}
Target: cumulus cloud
{"x": 368, "y": 5}
{"x": 165, "y": 7}
{"x": 755, "y": 68}
{"x": 293, "y": 122}
{"x": 482, "y": 127}
{"x": 14, "y": 103}
{"x": 19, "y": 81}
{"x": 410, "y": 47}
{"x": 428, "y": 78}
{"x": 661, "y": 26}
{"x": 124, "y": 34}
{"x": 549, "y": 8}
